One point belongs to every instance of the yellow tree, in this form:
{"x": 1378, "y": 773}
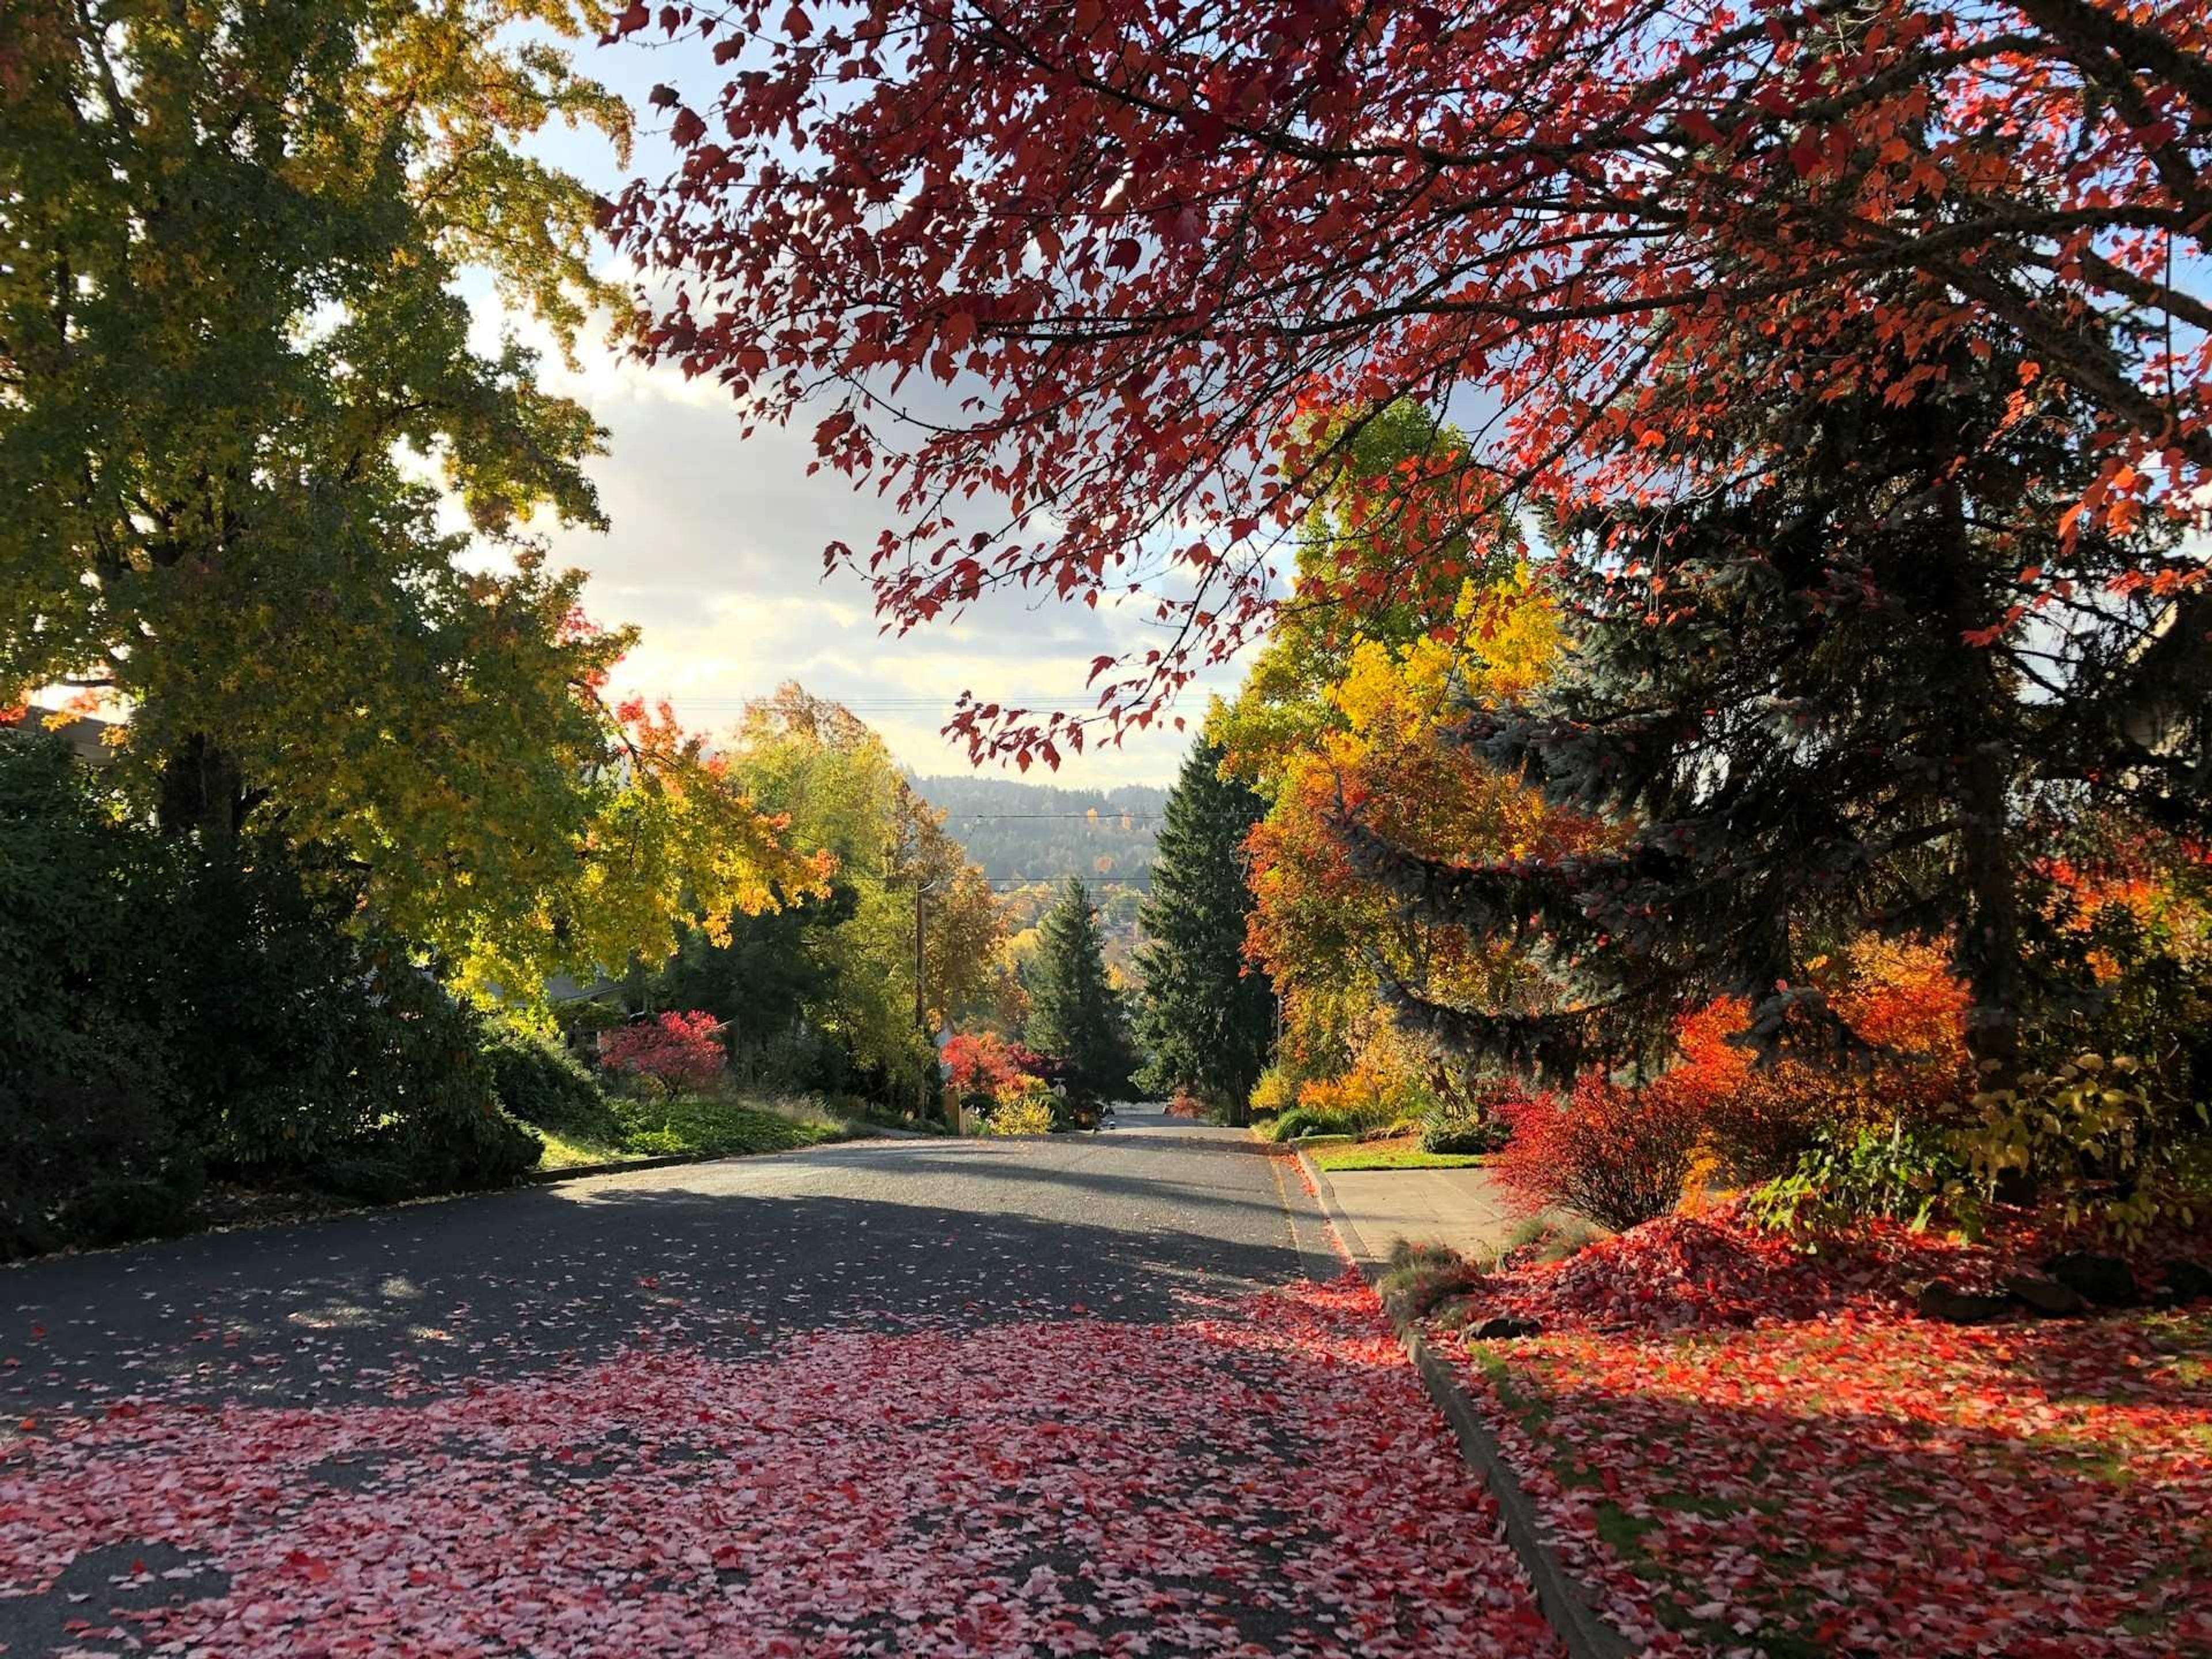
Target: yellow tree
{"x": 240, "y": 395}
{"x": 845, "y": 797}
{"x": 1338, "y": 721}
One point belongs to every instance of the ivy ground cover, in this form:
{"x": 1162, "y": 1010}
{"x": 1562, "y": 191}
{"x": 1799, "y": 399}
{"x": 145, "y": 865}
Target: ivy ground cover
{"x": 1752, "y": 1454}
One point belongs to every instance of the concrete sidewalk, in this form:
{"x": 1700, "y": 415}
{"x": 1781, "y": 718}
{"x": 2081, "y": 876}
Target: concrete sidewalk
{"x": 1470, "y": 1209}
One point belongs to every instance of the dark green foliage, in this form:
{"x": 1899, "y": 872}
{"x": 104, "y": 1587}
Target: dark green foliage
{"x": 1206, "y": 1024}
{"x": 1815, "y": 695}
{"x": 274, "y": 1036}
{"x": 300, "y": 1049}
{"x": 1076, "y": 1017}
{"x": 89, "y": 1165}
{"x": 164, "y": 1007}
{"x": 541, "y": 1083}
{"x": 775, "y": 967}
{"x": 776, "y": 985}
{"x": 80, "y": 991}
{"x": 432, "y": 1122}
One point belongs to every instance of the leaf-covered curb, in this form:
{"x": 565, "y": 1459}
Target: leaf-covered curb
{"x": 1568, "y": 1602}
{"x": 1751, "y": 1450}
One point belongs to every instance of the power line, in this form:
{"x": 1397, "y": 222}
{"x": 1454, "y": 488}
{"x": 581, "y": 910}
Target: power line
{"x": 1024, "y": 700}
{"x": 1005, "y": 883}
{"x": 1103, "y": 816}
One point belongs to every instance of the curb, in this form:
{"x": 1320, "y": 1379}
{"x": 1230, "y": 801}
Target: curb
{"x": 580, "y": 1172}
{"x": 1568, "y": 1604}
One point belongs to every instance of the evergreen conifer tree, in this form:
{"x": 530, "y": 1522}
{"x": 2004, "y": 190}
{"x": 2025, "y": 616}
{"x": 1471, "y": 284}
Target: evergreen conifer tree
{"x": 1205, "y": 1021}
{"x": 1813, "y": 701}
{"x": 1075, "y": 1014}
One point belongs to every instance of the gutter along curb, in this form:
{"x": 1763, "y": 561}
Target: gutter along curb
{"x": 1568, "y": 1604}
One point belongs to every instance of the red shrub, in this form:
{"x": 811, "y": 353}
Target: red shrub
{"x": 978, "y": 1064}
{"x": 1619, "y": 1156}
{"x": 684, "y": 1051}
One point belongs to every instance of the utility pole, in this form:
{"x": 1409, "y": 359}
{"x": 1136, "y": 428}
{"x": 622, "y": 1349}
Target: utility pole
{"x": 920, "y": 991}
{"x": 920, "y": 1003}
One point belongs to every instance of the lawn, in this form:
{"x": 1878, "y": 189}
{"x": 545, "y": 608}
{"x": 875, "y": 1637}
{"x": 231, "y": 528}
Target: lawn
{"x": 1746, "y": 1461}
{"x": 1404, "y": 1153}
{"x": 694, "y": 1124}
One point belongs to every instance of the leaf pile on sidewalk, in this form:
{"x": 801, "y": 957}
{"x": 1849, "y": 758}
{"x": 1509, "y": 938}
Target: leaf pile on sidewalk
{"x": 1262, "y": 1477}
{"x": 1755, "y": 1451}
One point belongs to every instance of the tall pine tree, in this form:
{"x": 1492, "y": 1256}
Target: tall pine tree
{"x": 1075, "y": 1014}
{"x": 1206, "y": 1020}
{"x": 1811, "y": 697}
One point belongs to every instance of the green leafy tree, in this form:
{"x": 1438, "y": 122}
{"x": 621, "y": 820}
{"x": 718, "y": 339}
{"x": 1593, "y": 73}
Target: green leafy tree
{"x": 824, "y": 995}
{"x": 1206, "y": 1020}
{"x": 1076, "y": 1017}
{"x": 239, "y": 398}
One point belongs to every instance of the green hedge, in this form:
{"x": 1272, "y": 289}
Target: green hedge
{"x": 542, "y": 1083}
{"x": 170, "y": 1013}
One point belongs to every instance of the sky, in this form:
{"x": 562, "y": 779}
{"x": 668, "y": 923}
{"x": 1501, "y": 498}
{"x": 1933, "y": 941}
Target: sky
{"x": 716, "y": 545}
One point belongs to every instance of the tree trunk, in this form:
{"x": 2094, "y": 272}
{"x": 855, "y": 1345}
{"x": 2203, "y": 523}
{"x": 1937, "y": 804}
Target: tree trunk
{"x": 1988, "y": 926}
{"x": 203, "y": 790}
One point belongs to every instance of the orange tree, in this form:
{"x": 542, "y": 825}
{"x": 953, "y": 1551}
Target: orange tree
{"x": 1346, "y": 716}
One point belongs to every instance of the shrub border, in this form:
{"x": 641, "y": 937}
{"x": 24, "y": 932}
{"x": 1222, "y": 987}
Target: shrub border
{"x": 1568, "y": 1605}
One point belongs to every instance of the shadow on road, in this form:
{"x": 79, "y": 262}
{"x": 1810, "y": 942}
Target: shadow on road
{"x": 729, "y": 1256}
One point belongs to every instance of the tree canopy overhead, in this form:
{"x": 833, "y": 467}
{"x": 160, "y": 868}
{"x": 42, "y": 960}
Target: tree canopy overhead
{"x": 239, "y": 396}
{"x": 1142, "y": 237}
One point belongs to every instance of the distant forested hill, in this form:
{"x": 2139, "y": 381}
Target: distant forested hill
{"x": 1028, "y": 832}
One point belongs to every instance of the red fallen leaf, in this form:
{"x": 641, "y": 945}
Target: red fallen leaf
{"x": 1803, "y": 1457}
{"x": 825, "y": 1462}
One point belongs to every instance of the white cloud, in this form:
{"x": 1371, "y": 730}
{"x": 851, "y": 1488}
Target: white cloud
{"x": 716, "y": 552}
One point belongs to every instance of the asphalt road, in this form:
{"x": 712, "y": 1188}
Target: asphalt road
{"x": 1097, "y": 1394}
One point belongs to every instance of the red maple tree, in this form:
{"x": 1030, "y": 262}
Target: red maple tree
{"x": 684, "y": 1051}
{"x": 1141, "y": 240}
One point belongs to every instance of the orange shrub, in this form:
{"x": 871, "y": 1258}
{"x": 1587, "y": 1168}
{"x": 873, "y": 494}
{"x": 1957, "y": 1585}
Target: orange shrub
{"x": 1898, "y": 997}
